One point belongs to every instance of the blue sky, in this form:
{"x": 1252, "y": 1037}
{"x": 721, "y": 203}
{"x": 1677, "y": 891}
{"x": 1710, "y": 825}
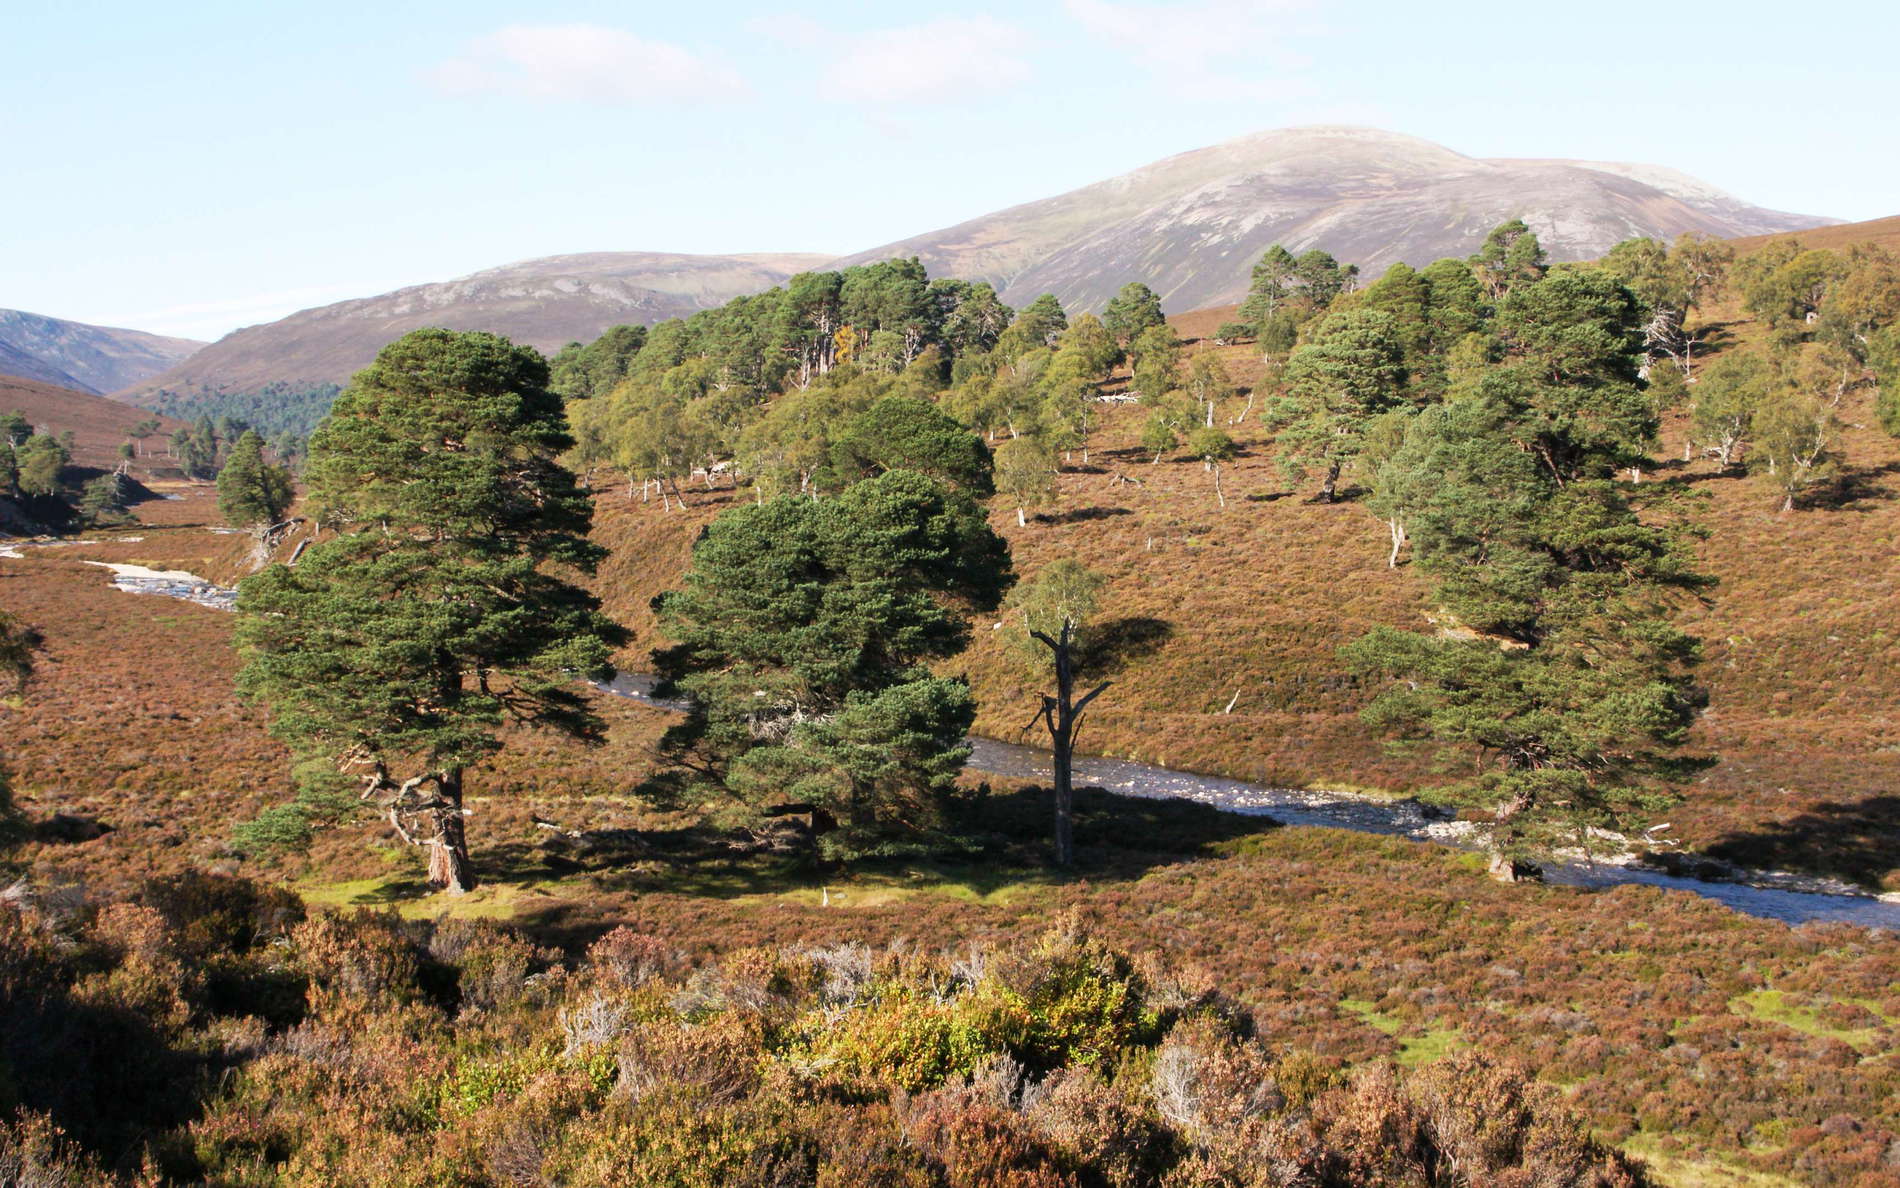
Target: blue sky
{"x": 190, "y": 168}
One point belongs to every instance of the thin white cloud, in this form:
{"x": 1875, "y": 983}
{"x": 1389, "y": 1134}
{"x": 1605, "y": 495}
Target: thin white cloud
{"x": 941, "y": 60}
{"x": 585, "y": 63}
{"x": 1221, "y": 50}
{"x": 213, "y": 319}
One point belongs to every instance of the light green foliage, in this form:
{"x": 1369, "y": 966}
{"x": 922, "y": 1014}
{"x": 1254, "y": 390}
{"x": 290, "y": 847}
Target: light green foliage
{"x": 1086, "y": 350}
{"x": 444, "y": 606}
{"x": 1883, "y": 356}
{"x": 789, "y": 449}
{"x": 1782, "y": 285}
{"x": 1168, "y": 418}
{"x": 1207, "y": 384}
{"x": 252, "y": 493}
{"x": 1063, "y": 591}
{"x": 1026, "y": 472}
{"x": 1155, "y": 356}
{"x": 1795, "y": 430}
{"x": 1728, "y": 394}
{"x": 715, "y": 385}
{"x": 1037, "y": 327}
{"x": 1083, "y": 359}
{"x": 1212, "y": 446}
{"x": 802, "y": 630}
{"x": 1670, "y": 283}
{"x": 1864, "y": 300}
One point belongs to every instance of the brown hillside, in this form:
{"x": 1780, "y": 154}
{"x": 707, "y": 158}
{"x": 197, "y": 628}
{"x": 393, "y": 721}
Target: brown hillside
{"x": 1883, "y": 232}
{"x": 545, "y": 303}
{"x": 1249, "y": 604}
{"x": 1673, "y": 1025}
{"x": 99, "y": 425}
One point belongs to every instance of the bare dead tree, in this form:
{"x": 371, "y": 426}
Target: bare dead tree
{"x": 1062, "y": 714}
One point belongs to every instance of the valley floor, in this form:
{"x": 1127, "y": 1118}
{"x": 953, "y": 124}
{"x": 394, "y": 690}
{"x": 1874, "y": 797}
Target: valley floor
{"x": 1724, "y": 1049}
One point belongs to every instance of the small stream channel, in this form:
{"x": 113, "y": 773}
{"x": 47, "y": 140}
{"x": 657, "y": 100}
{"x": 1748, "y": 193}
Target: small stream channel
{"x": 1289, "y": 806}
{"x": 1394, "y": 818}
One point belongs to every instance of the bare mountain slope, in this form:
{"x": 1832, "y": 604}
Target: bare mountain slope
{"x": 86, "y": 358}
{"x": 1192, "y": 226}
{"x": 98, "y": 424}
{"x": 546, "y": 303}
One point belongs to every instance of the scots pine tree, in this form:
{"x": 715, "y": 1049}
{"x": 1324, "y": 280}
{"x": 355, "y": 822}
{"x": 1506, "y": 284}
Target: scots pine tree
{"x": 1132, "y": 311}
{"x": 446, "y": 605}
{"x": 1352, "y": 371}
{"x": 252, "y": 493}
{"x": 803, "y": 633}
{"x": 1556, "y": 674}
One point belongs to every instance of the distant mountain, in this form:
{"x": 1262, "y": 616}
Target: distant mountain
{"x": 545, "y": 303}
{"x": 1193, "y": 225}
{"x": 95, "y": 359}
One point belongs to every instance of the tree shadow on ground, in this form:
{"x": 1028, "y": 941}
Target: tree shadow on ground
{"x": 1858, "y": 841}
{"x": 1081, "y": 515}
{"x": 1855, "y": 488}
{"x": 995, "y": 842}
{"x": 1113, "y": 644}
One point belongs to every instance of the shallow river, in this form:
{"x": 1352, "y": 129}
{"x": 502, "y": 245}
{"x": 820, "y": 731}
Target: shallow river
{"x": 1400, "y": 818}
{"x": 1289, "y": 806}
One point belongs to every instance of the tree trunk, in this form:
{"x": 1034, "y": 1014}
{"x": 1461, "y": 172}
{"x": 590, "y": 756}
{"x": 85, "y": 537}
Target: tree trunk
{"x": 1513, "y": 870}
{"x": 1020, "y": 522}
{"x": 1218, "y": 493}
{"x": 1062, "y": 714}
{"x": 1331, "y": 485}
{"x": 449, "y": 866}
{"x": 1397, "y": 528}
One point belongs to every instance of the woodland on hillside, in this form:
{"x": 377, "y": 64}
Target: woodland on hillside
{"x": 1458, "y": 526}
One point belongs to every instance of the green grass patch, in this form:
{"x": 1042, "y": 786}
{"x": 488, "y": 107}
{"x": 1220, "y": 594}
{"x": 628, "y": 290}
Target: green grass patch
{"x": 1776, "y": 1006}
{"x": 1681, "y": 1171}
{"x": 1416, "y": 1049}
{"x": 412, "y": 898}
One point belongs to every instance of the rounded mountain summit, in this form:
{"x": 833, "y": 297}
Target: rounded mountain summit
{"x": 1190, "y": 226}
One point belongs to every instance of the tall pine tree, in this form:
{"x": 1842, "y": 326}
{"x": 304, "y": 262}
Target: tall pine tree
{"x": 1556, "y": 670}
{"x": 446, "y": 604}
